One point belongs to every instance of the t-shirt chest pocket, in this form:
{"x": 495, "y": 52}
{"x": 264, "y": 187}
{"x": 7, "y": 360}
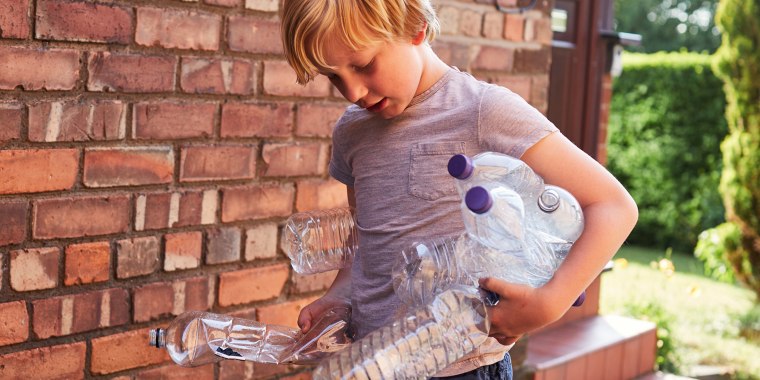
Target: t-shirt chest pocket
{"x": 428, "y": 177}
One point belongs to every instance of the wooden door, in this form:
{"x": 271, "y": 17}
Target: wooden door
{"x": 579, "y": 60}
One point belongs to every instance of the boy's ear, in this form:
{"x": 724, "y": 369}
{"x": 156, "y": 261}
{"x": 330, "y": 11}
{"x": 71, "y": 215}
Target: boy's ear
{"x": 420, "y": 36}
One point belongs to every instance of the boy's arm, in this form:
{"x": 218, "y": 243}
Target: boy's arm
{"x": 610, "y": 214}
{"x": 338, "y": 294}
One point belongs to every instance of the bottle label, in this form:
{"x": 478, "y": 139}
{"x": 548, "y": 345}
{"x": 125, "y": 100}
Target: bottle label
{"x": 228, "y": 353}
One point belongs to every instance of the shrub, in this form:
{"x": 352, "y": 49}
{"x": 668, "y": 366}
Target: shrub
{"x": 738, "y": 64}
{"x": 666, "y": 124}
{"x": 668, "y": 359}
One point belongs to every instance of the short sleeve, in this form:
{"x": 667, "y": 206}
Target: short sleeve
{"x": 339, "y": 167}
{"x": 508, "y": 124}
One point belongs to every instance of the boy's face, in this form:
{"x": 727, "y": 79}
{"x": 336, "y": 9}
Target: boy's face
{"x": 382, "y": 79}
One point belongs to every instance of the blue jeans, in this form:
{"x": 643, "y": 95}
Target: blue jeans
{"x": 501, "y": 370}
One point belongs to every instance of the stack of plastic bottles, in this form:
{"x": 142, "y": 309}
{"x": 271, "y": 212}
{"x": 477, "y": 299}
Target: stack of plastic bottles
{"x": 517, "y": 229}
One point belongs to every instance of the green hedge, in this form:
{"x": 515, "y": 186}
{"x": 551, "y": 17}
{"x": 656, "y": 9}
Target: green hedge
{"x": 666, "y": 124}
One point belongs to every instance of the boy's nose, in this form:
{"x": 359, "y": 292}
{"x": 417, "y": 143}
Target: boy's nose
{"x": 354, "y": 92}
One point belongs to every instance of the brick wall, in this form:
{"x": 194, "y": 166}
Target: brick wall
{"x": 150, "y": 150}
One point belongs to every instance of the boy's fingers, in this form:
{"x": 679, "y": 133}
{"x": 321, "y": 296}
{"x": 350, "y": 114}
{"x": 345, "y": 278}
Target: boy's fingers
{"x": 495, "y": 285}
{"x": 304, "y": 321}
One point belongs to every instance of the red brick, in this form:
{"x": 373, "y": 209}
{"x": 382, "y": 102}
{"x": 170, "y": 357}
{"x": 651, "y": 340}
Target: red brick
{"x": 514, "y": 27}
{"x": 38, "y": 69}
{"x": 519, "y": 84}
{"x": 118, "y": 352}
{"x": 257, "y": 119}
{"x": 36, "y": 170}
{"x": 320, "y": 195}
{"x": 543, "y": 33}
{"x": 132, "y": 166}
{"x": 11, "y": 115}
{"x": 280, "y": 80}
{"x": 130, "y": 72}
{"x": 83, "y": 21}
{"x": 239, "y": 369}
{"x": 307, "y": 283}
{"x": 65, "y": 361}
{"x": 217, "y": 76}
{"x": 183, "y": 250}
{"x": 493, "y": 25}
{"x": 77, "y": 121}
{"x": 261, "y": 242}
{"x": 197, "y": 293}
{"x": 87, "y": 263}
{"x": 223, "y": 3}
{"x": 223, "y": 245}
{"x": 249, "y": 285}
{"x": 254, "y": 35}
{"x": 14, "y": 323}
{"x": 82, "y": 216}
{"x": 256, "y": 202}
{"x": 153, "y": 301}
{"x": 173, "y": 120}
{"x": 14, "y": 222}
{"x": 34, "y": 269}
{"x": 471, "y": 23}
{"x": 178, "y": 29}
{"x": 533, "y": 61}
{"x": 295, "y": 159}
{"x": 61, "y": 316}
{"x": 137, "y": 257}
{"x": 453, "y": 53}
{"x": 14, "y": 18}
{"x": 494, "y": 59}
{"x": 190, "y": 209}
{"x": 315, "y": 120}
{"x": 175, "y": 372}
{"x": 262, "y": 5}
{"x": 283, "y": 313}
{"x": 152, "y": 210}
{"x": 220, "y": 162}
{"x": 449, "y": 19}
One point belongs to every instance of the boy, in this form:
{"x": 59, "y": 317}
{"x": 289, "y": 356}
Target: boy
{"x": 411, "y": 112}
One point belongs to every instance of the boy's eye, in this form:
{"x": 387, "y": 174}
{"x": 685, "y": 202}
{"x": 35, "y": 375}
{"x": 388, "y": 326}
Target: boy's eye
{"x": 365, "y": 67}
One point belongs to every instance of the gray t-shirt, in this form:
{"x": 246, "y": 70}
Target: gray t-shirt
{"x": 397, "y": 168}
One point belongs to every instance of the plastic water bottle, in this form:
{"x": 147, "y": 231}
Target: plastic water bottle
{"x": 195, "y": 338}
{"x": 417, "y": 345}
{"x": 426, "y": 269}
{"x": 491, "y": 169}
{"x": 497, "y": 217}
{"x": 537, "y": 244}
{"x": 319, "y": 241}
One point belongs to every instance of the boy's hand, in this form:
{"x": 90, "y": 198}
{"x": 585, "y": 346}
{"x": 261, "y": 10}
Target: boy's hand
{"x": 521, "y": 309}
{"x": 313, "y": 311}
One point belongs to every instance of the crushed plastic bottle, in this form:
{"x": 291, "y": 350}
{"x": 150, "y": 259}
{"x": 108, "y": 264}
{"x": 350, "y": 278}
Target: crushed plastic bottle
{"x": 417, "y": 345}
{"x": 427, "y": 269}
{"x": 319, "y": 241}
{"x": 195, "y": 338}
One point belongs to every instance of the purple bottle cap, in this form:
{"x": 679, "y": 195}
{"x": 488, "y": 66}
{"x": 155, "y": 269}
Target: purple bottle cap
{"x": 460, "y": 166}
{"x": 478, "y": 200}
{"x": 579, "y": 301}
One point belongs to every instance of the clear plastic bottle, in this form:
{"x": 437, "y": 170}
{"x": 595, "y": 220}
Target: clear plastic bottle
{"x": 491, "y": 169}
{"x": 497, "y": 218}
{"x": 535, "y": 245}
{"x": 195, "y": 338}
{"x": 417, "y": 345}
{"x": 426, "y": 269}
{"x": 319, "y": 241}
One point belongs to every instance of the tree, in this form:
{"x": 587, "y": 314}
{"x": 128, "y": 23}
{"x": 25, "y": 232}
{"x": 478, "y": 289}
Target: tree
{"x": 669, "y": 25}
{"x": 737, "y": 63}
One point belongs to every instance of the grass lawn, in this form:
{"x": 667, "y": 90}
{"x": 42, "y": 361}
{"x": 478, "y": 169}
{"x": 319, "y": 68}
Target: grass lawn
{"x": 702, "y": 313}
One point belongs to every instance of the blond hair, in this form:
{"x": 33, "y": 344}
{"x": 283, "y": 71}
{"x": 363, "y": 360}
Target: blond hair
{"x": 308, "y": 24}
